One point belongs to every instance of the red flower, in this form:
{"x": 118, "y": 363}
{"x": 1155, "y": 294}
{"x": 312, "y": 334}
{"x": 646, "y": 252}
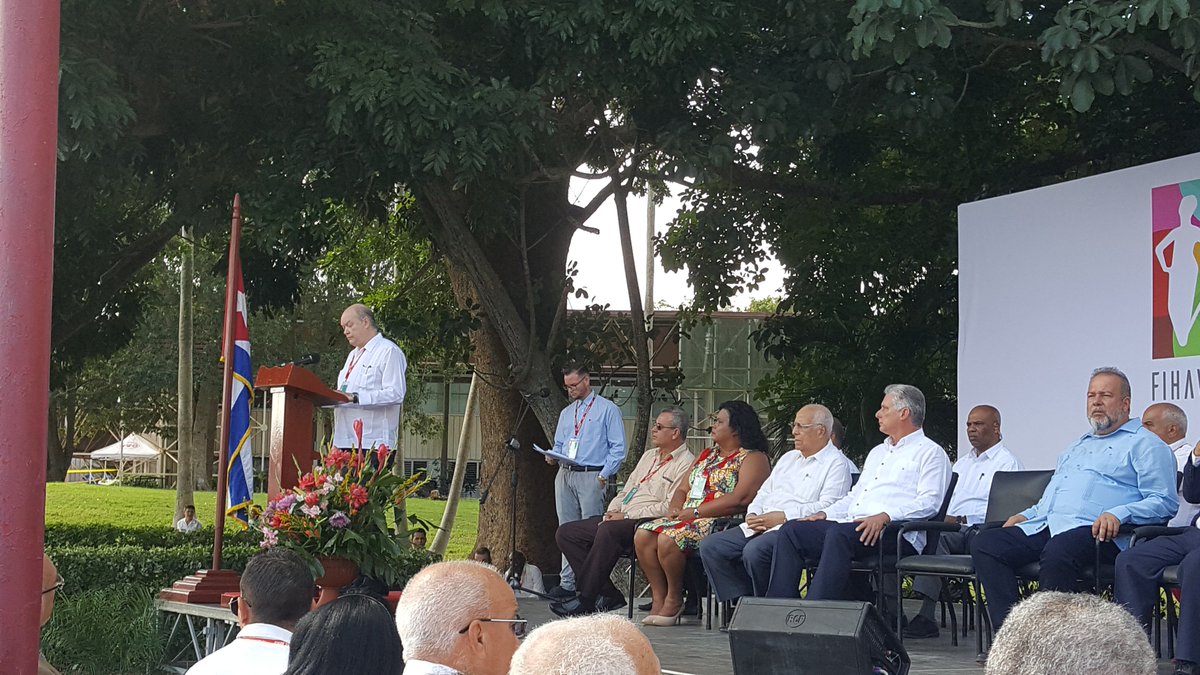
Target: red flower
{"x": 357, "y": 497}
{"x": 312, "y": 498}
{"x": 356, "y": 461}
{"x": 337, "y": 458}
{"x": 381, "y": 455}
{"x": 358, "y": 431}
{"x": 307, "y": 482}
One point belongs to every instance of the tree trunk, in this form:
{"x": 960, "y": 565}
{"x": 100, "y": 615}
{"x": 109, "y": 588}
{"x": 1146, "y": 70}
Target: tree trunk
{"x": 58, "y": 450}
{"x": 400, "y": 509}
{"x": 441, "y": 540}
{"x": 184, "y": 449}
{"x": 204, "y": 433}
{"x": 637, "y": 320}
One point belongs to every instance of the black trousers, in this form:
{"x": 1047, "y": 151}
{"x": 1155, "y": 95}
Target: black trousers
{"x": 592, "y": 547}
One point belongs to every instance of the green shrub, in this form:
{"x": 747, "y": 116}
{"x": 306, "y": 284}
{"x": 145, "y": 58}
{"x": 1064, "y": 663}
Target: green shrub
{"x": 144, "y": 536}
{"x": 95, "y": 567}
{"x": 105, "y": 631}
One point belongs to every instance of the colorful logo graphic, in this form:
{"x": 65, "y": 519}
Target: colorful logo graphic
{"x": 1176, "y": 236}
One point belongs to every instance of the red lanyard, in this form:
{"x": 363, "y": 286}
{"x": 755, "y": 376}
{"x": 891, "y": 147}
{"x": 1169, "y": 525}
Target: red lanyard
{"x": 713, "y": 467}
{"x": 579, "y": 422}
{"x": 266, "y": 640}
{"x": 661, "y": 464}
{"x": 350, "y": 368}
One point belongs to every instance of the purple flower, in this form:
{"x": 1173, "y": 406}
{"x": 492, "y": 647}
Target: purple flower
{"x": 286, "y": 502}
{"x": 339, "y": 519}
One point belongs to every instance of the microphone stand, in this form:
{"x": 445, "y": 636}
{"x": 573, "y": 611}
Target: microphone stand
{"x": 513, "y": 446}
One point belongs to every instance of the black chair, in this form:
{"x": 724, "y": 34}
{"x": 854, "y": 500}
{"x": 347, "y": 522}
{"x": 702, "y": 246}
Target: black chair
{"x": 1170, "y": 582}
{"x": 1011, "y": 493}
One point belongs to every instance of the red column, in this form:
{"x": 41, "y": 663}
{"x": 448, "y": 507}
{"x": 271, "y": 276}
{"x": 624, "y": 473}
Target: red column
{"x": 28, "y": 134}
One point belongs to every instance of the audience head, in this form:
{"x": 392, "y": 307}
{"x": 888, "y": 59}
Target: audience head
{"x": 1055, "y": 632}
{"x": 737, "y": 424}
{"x": 189, "y": 513}
{"x": 516, "y": 566}
{"x": 51, "y": 582}
{"x": 983, "y": 427}
{"x": 277, "y": 588}
{"x": 419, "y": 538}
{"x": 1108, "y": 400}
{"x": 601, "y": 644}
{"x": 812, "y": 429}
{"x": 1167, "y": 421}
{"x": 902, "y": 411}
{"x": 577, "y": 380}
{"x": 460, "y": 614}
{"x": 330, "y": 640}
{"x": 838, "y": 434}
{"x": 670, "y": 428}
{"x": 482, "y": 554}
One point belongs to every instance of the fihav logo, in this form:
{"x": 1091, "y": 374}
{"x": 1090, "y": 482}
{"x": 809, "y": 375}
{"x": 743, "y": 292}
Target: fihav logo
{"x": 1176, "y": 237}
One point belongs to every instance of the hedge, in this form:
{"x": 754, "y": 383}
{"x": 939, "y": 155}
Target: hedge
{"x": 147, "y": 537}
{"x": 86, "y": 568}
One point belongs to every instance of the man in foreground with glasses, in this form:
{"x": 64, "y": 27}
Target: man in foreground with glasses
{"x": 458, "y": 618}
{"x": 806, "y": 480}
{"x": 277, "y": 589}
{"x": 591, "y": 433}
{"x": 593, "y": 546}
{"x": 594, "y": 644}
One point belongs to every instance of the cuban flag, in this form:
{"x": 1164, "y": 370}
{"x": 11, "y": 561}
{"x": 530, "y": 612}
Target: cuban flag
{"x": 241, "y": 396}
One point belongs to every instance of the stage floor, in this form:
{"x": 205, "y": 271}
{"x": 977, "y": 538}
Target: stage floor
{"x": 688, "y": 649}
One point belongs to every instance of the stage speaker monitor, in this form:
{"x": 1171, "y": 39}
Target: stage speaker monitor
{"x": 820, "y": 637}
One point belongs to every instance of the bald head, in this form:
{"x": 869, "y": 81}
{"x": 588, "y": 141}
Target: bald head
{"x": 1167, "y": 421}
{"x": 358, "y": 325}
{"x": 983, "y": 427}
{"x": 600, "y": 644}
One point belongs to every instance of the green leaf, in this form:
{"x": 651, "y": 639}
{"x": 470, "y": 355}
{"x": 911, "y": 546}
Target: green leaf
{"x": 1082, "y": 95}
{"x": 1146, "y": 10}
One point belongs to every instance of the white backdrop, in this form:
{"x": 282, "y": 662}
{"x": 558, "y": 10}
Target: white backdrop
{"x": 1053, "y": 283}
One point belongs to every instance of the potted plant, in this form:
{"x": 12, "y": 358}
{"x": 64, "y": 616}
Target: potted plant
{"x": 336, "y": 517}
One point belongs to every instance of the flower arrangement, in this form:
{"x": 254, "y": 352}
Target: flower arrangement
{"x": 339, "y": 509}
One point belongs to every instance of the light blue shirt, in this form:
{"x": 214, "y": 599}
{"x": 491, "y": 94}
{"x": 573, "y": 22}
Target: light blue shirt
{"x": 1129, "y": 473}
{"x": 601, "y": 433}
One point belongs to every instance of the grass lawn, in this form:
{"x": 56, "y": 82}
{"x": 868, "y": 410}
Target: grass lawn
{"x": 83, "y": 504}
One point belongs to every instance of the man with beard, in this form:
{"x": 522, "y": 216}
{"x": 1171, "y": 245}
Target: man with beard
{"x": 1117, "y": 473}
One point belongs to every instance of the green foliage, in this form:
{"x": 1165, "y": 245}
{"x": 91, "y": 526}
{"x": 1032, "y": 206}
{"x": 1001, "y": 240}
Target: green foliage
{"x": 153, "y": 568}
{"x": 111, "y": 629}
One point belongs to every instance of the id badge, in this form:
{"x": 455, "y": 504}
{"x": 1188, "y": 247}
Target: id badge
{"x": 629, "y": 495}
{"x": 344, "y": 387}
{"x": 697, "y": 491}
{"x": 572, "y": 448}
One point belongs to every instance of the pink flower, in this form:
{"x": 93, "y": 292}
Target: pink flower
{"x": 358, "y": 432}
{"x": 357, "y": 497}
{"x": 381, "y": 455}
{"x": 270, "y": 537}
{"x": 311, "y": 511}
{"x": 312, "y": 498}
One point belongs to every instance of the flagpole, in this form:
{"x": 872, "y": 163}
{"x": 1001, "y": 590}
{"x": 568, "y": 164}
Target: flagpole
{"x": 235, "y": 235}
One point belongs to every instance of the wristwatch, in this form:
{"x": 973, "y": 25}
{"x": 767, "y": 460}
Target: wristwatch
{"x": 696, "y": 512}
{"x": 354, "y": 397}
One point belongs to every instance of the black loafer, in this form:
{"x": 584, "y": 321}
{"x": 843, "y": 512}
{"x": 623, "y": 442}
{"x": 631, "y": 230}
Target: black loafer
{"x": 604, "y": 604}
{"x": 921, "y": 628}
{"x": 1186, "y": 668}
{"x": 572, "y": 607}
{"x": 560, "y": 593}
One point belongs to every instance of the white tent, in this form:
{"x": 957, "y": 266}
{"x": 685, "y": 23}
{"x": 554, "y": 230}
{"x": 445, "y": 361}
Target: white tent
{"x": 133, "y": 448}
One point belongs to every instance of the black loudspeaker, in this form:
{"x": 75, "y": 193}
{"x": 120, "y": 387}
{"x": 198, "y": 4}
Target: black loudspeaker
{"x": 821, "y": 637}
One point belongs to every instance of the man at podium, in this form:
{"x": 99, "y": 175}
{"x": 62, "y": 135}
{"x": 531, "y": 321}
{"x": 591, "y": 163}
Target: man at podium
{"x": 373, "y": 378}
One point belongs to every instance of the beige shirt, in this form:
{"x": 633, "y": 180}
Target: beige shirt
{"x": 648, "y": 492}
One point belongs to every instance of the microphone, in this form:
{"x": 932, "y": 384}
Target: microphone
{"x": 307, "y": 359}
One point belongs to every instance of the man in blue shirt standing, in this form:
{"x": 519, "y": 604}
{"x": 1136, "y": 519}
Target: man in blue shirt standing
{"x": 1117, "y": 473}
{"x": 590, "y": 431}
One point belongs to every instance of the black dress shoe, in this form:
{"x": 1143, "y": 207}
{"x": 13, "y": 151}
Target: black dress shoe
{"x": 920, "y": 628}
{"x": 560, "y": 593}
{"x": 1186, "y": 668}
{"x": 645, "y": 606}
{"x": 572, "y": 607}
{"x": 604, "y": 604}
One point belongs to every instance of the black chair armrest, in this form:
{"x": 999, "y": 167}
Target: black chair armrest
{"x": 930, "y": 526}
{"x": 726, "y": 522}
{"x": 1145, "y": 532}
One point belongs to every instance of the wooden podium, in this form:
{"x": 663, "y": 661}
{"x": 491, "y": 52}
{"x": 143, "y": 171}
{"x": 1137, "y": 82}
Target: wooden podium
{"x": 295, "y": 393}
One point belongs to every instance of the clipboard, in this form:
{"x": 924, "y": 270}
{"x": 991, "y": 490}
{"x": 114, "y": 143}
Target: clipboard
{"x": 561, "y": 458}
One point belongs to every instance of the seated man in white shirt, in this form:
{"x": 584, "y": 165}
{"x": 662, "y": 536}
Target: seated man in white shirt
{"x": 1169, "y": 422}
{"x": 277, "y": 589}
{"x": 188, "y": 522}
{"x": 968, "y": 506}
{"x": 805, "y": 480}
{"x": 905, "y": 477}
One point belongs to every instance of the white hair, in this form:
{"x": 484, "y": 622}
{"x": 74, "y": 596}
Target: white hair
{"x": 907, "y": 397}
{"x": 438, "y": 602}
{"x": 587, "y": 645}
{"x": 1055, "y": 632}
{"x": 821, "y": 415}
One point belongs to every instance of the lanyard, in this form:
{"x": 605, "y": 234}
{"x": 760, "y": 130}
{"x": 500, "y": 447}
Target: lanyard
{"x": 661, "y": 464}
{"x": 266, "y": 640}
{"x": 350, "y": 368}
{"x": 710, "y": 466}
{"x": 579, "y": 422}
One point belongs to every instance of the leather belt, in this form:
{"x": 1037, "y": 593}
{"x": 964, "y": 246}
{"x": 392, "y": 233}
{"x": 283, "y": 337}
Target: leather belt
{"x": 585, "y": 468}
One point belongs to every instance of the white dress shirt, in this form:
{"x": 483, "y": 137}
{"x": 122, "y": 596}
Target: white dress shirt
{"x": 419, "y": 667}
{"x": 906, "y": 480}
{"x": 184, "y": 526}
{"x": 1187, "y": 510}
{"x": 800, "y": 486}
{"x": 975, "y": 473}
{"x": 377, "y": 377}
{"x": 259, "y": 649}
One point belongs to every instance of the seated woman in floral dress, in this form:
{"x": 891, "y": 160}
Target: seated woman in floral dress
{"x": 722, "y": 482}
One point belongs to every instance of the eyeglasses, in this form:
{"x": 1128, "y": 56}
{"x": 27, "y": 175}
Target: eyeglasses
{"x": 58, "y": 584}
{"x": 660, "y": 427}
{"x": 517, "y": 624}
{"x": 805, "y": 426}
{"x": 576, "y": 385}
